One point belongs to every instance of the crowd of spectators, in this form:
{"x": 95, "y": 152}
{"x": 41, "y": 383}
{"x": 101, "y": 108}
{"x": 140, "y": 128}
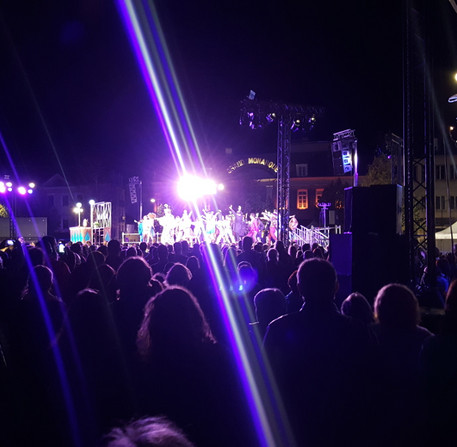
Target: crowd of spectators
{"x": 138, "y": 337}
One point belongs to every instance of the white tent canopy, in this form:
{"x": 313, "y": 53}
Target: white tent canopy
{"x": 445, "y": 238}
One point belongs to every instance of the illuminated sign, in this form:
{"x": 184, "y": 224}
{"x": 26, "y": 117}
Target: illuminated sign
{"x": 253, "y": 161}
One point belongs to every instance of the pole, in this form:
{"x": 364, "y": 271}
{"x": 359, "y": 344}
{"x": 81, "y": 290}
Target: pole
{"x": 141, "y": 199}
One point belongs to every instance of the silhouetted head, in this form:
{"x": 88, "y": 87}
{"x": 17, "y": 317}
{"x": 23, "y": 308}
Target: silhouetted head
{"x": 193, "y": 264}
{"x": 133, "y": 274}
{"x": 147, "y": 432}
{"x": 179, "y": 275}
{"x": 162, "y": 252}
{"x": 36, "y": 256}
{"x": 317, "y": 281}
{"x": 114, "y": 247}
{"x": 273, "y": 255}
{"x": 44, "y": 278}
{"x": 269, "y": 305}
{"x": 247, "y": 243}
{"x": 173, "y": 320}
{"x": 357, "y": 307}
{"x": 396, "y": 307}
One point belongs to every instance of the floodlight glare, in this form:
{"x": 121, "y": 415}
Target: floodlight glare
{"x": 91, "y": 202}
{"x": 32, "y": 185}
{"x": 21, "y": 190}
{"x": 9, "y": 184}
{"x": 192, "y": 188}
{"x": 30, "y": 191}
{"x": 2, "y": 188}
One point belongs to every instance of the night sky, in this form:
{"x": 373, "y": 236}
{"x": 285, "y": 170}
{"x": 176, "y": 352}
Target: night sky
{"x": 70, "y": 87}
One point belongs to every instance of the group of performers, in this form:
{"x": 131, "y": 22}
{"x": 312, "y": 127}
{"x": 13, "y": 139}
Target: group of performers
{"x": 210, "y": 226}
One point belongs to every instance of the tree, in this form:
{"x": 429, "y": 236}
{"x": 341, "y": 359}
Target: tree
{"x": 379, "y": 172}
{"x": 3, "y": 211}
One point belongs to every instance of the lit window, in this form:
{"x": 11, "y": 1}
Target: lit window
{"x": 302, "y": 199}
{"x": 319, "y": 193}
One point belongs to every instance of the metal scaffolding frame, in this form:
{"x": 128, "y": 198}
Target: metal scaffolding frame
{"x": 419, "y": 141}
{"x": 257, "y": 114}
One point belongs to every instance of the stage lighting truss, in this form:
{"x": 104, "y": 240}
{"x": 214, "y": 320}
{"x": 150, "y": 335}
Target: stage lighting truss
{"x": 290, "y": 118}
{"x": 8, "y": 186}
{"x": 257, "y": 114}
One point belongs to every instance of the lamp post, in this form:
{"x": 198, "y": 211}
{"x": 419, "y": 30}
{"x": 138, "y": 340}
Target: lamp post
{"x": 92, "y": 204}
{"x": 78, "y": 210}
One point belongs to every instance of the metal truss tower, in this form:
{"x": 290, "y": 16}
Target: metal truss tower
{"x": 257, "y": 114}
{"x": 418, "y": 137}
{"x": 283, "y": 184}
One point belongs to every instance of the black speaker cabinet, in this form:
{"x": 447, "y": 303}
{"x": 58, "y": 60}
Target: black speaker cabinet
{"x": 373, "y": 210}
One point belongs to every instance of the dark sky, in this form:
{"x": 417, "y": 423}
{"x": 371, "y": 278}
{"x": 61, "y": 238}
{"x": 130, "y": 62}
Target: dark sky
{"x": 70, "y": 85}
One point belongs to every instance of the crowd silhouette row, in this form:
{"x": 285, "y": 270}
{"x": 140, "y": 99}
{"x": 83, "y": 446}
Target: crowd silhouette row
{"x": 138, "y": 338}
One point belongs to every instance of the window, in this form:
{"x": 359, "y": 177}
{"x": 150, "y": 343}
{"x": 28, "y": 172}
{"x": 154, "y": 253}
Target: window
{"x": 452, "y": 202}
{"x": 440, "y": 172}
{"x": 319, "y": 193}
{"x": 452, "y": 173}
{"x": 302, "y": 170}
{"x": 440, "y": 204}
{"x": 65, "y": 201}
{"x": 302, "y": 199}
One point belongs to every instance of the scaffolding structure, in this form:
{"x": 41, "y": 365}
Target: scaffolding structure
{"x": 290, "y": 117}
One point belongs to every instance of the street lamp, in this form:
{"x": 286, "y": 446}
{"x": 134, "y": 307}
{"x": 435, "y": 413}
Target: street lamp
{"x": 78, "y": 210}
{"x": 92, "y": 204}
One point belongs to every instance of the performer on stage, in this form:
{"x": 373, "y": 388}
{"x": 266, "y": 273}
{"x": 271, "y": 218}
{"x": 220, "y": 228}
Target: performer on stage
{"x": 224, "y": 227}
{"x": 210, "y": 225}
{"x": 152, "y": 232}
{"x": 146, "y": 230}
{"x": 239, "y": 228}
{"x": 254, "y": 227}
{"x": 186, "y": 226}
{"x": 273, "y": 235}
{"x": 140, "y": 228}
{"x": 293, "y": 225}
{"x": 168, "y": 223}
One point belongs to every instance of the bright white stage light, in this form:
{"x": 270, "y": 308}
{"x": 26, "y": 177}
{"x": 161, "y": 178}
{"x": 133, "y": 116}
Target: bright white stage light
{"x": 192, "y": 188}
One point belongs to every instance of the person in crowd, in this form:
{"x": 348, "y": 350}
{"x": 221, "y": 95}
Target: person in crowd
{"x": 179, "y": 275}
{"x": 399, "y": 342}
{"x": 134, "y": 282}
{"x": 438, "y": 368}
{"x": 269, "y": 304}
{"x": 162, "y": 259}
{"x": 147, "y": 432}
{"x": 255, "y": 259}
{"x": 321, "y": 362}
{"x": 187, "y": 374}
{"x": 114, "y": 258}
{"x": 294, "y": 300}
{"x": 357, "y": 306}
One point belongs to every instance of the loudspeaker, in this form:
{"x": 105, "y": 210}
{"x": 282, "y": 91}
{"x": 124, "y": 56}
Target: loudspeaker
{"x": 366, "y": 262}
{"x": 373, "y": 210}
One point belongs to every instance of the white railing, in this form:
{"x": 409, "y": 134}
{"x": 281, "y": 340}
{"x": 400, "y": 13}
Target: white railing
{"x": 304, "y": 235}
